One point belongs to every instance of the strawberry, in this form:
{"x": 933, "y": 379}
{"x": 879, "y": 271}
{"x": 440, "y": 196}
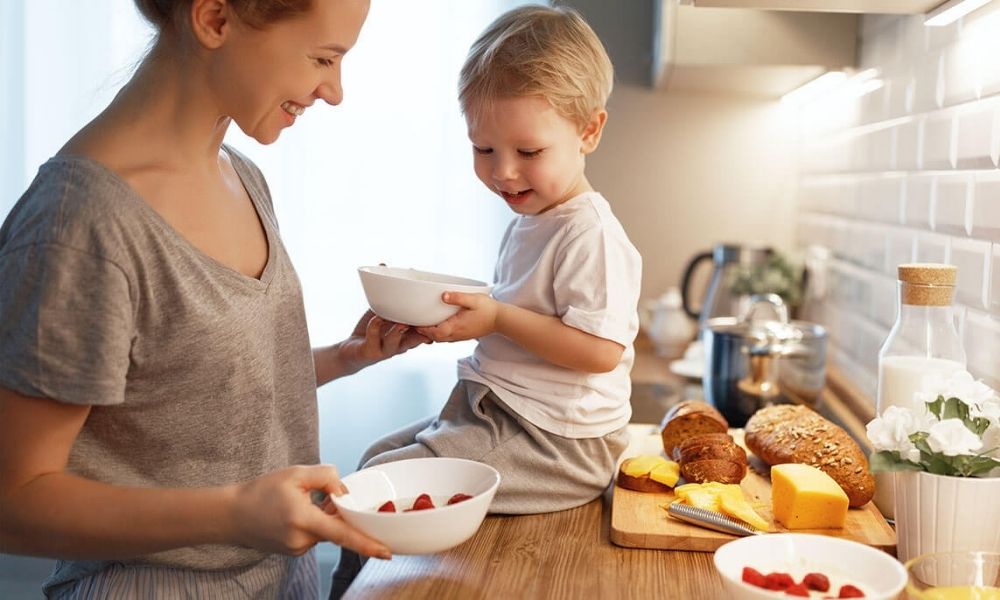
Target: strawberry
{"x": 816, "y": 581}
{"x": 387, "y": 507}
{"x": 799, "y": 589}
{"x": 458, "y": 498}
{"x": 753, "y": 576}
{"x": 849, "y": 591}
{"x": 423, "y": 502}
{"x": 778, "y": 581}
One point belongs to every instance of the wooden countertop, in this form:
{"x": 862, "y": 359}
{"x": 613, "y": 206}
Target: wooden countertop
{"x": 557, "y": 555}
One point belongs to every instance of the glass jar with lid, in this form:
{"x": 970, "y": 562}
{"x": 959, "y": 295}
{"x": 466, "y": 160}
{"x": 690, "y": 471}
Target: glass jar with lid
{"x": 923, "y": 342}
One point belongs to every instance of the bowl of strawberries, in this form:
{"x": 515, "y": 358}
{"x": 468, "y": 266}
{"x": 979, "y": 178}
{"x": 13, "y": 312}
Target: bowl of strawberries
{"x": 419, "y": 505}
{"x": 790, "y": 565}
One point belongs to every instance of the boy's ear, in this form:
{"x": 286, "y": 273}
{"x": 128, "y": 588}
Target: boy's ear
{"x": 592, "y": 131}
{"x": 210, "y": 22}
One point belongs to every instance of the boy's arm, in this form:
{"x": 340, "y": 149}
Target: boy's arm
{"x": 543, "y": 335}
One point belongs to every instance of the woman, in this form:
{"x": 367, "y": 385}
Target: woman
{"x": 158, "y": 419}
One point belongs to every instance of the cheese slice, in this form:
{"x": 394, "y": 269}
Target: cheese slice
{"x": 667, "y": 473}
{"x": 640, "y": 466}
{"x": 803, "y": 497}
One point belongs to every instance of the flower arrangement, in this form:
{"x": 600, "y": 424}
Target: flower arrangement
{"x": 956, "y": 430}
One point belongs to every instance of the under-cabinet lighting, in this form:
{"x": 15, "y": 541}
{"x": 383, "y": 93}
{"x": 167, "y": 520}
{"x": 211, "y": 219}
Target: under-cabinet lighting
{"x": 952, "y": 10}
{"x": 834, "y": 84}
{"x": 814, "y": 87}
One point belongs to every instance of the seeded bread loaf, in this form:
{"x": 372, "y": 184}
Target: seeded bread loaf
{"x": 688, "y": 419}
{"x": 787, "y": 433}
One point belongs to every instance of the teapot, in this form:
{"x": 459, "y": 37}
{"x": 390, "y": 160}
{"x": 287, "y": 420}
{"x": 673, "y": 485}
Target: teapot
{"x": 663, "y": 319}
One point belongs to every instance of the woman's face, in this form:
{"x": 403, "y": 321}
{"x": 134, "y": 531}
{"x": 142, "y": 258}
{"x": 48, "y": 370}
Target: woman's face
{"x": 264, "y": 79}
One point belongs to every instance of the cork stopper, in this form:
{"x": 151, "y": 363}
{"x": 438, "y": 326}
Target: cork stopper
{"x": 927, "y": 284}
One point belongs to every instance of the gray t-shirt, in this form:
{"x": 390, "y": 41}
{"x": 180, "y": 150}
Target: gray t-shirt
{"x": 197, "y": 374}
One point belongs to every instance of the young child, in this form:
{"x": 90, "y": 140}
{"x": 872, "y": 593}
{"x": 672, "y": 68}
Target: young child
{"x": 545, "y": 396}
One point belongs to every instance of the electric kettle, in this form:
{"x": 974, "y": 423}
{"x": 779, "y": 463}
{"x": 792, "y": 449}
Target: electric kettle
{"x": 718, "y": 299}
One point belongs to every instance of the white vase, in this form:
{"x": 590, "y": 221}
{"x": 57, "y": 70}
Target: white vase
{"x": 935, "y": 513}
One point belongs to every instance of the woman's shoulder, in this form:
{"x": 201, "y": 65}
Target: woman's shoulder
{"x": 73, "y": 201}
{"x": 248, "y": 171}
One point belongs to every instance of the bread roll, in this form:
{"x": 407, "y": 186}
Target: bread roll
{"x": 787, "y": 433}
{"x": 687, "y": 419}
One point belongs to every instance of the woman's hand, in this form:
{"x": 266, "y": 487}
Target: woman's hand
{"x": 374, "y": 339}
{"x": 477, "y": 318}
{"x": 275, "y": 513}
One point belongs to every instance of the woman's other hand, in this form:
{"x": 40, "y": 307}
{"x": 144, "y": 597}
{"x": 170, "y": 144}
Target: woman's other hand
{"x": 477, "y": 318}
{"x": 275, "y": 513}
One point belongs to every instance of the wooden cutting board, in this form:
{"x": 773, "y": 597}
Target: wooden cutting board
{"x": 637, "y": 521}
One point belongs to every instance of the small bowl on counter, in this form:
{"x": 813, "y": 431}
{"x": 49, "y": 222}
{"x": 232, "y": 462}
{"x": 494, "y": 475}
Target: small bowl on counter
{"x": 841, "y": 562}
{"x": 409, "y": 528}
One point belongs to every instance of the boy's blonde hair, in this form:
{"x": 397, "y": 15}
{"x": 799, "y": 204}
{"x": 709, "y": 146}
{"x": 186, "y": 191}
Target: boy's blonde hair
{"x": 538, "y": 51}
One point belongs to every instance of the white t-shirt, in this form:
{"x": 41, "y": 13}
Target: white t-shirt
{"x": 575, "y": 262}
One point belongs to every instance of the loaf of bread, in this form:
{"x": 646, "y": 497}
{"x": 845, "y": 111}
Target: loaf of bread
{"x": 710, "y": 446}
{"x": 713, "y": 469}
{"x": 688, "y": 419}
{"x": 711, "y": 457}
{"x": 787, "y": 433}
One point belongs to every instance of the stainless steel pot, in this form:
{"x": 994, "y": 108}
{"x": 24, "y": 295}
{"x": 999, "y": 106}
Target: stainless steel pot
{"x": 751, "y": 363}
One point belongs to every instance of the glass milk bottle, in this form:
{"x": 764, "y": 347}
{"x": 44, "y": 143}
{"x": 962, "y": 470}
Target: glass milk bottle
{"x": 923, "y": 342}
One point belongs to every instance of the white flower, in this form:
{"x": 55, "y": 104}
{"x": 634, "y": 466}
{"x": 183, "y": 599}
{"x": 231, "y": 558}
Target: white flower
{"x": 952, "y": 438}
{"x": 990, "y": 409}
{"x": 960, "y": 384}
{"x": 991, "y": 441}
{"x": 892, "y": 430}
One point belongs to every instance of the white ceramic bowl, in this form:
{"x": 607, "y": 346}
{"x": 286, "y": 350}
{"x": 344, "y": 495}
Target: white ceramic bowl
{"x": 876, "y": 573}
{"x": 420, "y": 531}
{"x": 414, "y": 297}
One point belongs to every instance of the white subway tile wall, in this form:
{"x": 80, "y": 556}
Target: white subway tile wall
{"x": 908, "y": 172}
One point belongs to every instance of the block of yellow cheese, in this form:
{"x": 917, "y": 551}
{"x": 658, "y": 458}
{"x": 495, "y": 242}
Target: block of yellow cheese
{"x": 803, "y": 497}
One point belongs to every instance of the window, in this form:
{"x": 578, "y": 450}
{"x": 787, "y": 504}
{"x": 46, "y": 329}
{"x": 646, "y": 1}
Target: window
{"x": 384, "y": 177}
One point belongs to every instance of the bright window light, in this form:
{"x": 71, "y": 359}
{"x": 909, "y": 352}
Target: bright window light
{"x": 814, "y": 88}
{"x": 951, "y": 11}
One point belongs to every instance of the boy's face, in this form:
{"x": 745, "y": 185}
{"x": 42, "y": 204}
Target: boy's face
{"x": 529, "y": 154}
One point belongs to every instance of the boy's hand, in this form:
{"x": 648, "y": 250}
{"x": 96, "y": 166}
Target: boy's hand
{"x": 477, "y": 318}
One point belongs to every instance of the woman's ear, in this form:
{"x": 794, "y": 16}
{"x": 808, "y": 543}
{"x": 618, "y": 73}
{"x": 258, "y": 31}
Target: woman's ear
{"x": 591, "y": 135}
{"x": 210, "y": 22}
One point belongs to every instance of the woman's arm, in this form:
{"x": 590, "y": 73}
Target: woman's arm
{"x": 373, "y": 339}
{"x": 543, "y": 335}
{"x": 48, "y": 511}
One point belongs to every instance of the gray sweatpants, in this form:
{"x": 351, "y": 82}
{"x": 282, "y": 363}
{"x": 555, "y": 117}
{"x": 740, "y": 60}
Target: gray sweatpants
{"x": 539, "y": 471}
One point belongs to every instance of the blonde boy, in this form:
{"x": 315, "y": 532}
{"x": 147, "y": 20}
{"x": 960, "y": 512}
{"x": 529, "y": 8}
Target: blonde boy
{"x": 545, "y": 396}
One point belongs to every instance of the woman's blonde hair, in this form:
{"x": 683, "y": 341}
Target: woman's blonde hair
{"x": 538, "y": 51}
{"x": 163, "y": 14}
